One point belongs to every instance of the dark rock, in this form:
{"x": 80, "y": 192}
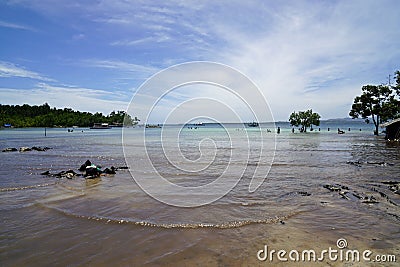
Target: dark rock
{"x": 83, "y": 166}
{"x": 390, "y": 182}
{"x": 38, "y": 148}
{"x": 355, "y": 163}
{"x": 24, "y": 149}
{"x": 395, "y": 189}
{"x": 123, "y": 168}
{"x": 70, "y": 174}
{"x": 380, "y": 163}
{"x": 370, "y": 200}
{"x": 92, "y": 172}
{"x": 303, "y": 193}
{"x": 332, "y": 187}
{"x": 336, "y": 187}
{"x": 382, "y": 194}
{"x": 10, "y": 149}
{"x": 344, "y": 195}
{"x": 109, "y": 171}
{"x": 60, "y": 174}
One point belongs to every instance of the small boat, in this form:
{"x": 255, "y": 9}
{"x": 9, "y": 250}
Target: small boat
{"x": 199, "y": 124}
{"x": 253, "y": 124}
{"x": 153, "y": 126}
{"x": 117, "y": 124}
{"x": 100, "y": 126}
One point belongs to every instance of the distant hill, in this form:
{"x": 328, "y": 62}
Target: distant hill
{"x": 346, "y": 119}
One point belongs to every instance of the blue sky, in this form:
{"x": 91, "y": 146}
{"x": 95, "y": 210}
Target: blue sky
{"x": 93, "y": 55}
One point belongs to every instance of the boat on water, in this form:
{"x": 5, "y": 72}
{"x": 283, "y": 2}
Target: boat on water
{"x": 253, "y": 124}
{"x": 199, "y": 124}
{"x": 116, "y": 125}
{"x": 153, "y": 126}
{"x": 100, "y": 126}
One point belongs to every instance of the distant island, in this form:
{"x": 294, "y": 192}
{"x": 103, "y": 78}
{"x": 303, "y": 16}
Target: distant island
{"x": 45, "y": 116}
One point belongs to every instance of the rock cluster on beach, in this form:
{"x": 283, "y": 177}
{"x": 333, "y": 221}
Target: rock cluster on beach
{"x": 359, "y": 163}
{"x": 346, "y": 193}
{"x": 25, "y": 149}
{"x": 393, "y": 186}
{"x": 87, "y": 170}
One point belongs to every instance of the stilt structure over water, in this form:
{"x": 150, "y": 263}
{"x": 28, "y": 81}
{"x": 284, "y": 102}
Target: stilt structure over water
{"x": 392, "y": 129}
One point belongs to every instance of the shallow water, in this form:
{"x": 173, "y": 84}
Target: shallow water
{"x": 110, "y": 220}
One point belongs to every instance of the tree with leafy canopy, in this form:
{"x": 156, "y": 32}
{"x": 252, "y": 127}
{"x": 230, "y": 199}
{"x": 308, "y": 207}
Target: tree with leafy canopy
{"x": 304, "y": 119}
{"x": 396, "y": 87}
{"x": 377, "y": 102}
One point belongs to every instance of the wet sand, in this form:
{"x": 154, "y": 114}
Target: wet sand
{"x": 47, "y": 221}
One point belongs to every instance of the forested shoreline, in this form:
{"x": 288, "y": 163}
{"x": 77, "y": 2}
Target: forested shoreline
{"x": 46, "y": 116}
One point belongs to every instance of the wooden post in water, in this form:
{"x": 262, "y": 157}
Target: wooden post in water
{"x": 45, "y": 134}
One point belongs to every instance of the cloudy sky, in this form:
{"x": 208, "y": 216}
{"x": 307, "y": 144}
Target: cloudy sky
{"x": 94, "y": 55}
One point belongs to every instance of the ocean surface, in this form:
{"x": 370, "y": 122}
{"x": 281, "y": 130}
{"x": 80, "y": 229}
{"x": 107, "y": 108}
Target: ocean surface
{"x": 321, "y": 186}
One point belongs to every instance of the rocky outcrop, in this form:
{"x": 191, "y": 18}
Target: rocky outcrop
{"x": 9, "y": 149}
{"x": 358, "y": 163}
{"x": 26, "y": 149}
{"x": 369, "y": 197}
{"x": 110, "y": 171}
{"x": 63, "y": 174}
{"x": 92, "y": 171}
{"x": 393, "y": 186}
{"x": 84, "y": 165}
{"x": 38, "y": 148}
{"x": 88, "y": 171}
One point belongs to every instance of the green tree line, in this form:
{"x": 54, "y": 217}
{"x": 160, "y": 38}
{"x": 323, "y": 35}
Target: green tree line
{"x": 45, "y": 116}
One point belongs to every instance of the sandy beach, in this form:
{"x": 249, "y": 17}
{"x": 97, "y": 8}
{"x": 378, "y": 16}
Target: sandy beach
{"x": 308, "y": 202}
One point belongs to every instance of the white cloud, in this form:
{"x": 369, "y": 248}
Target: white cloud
{"x": 206, "y": 88}
{"x": 10, "y": 25}
{"x": 119, "y": 65}
{"x": 317, "y": 56}
{"x": 156, "y": 38}
{"x": 8, "y": 69}
{"x": 301, "y": 54}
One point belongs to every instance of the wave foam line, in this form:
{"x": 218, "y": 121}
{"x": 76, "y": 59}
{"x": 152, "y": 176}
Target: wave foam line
{"x": 222, "y": 225}
{"x": 25, "y": 187}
